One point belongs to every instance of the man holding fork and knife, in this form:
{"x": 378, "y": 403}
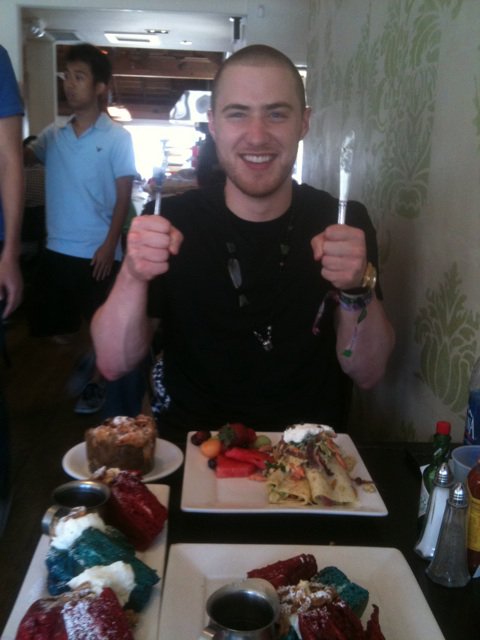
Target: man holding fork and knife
{"x": 268, "y": 307}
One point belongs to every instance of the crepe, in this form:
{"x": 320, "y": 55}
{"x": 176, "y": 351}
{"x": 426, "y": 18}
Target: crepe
{"x": 309, "y": 468}
{"x": 284, "y": 489}
{"x": 97, "y": 548}
{"x": 335, "y": 487}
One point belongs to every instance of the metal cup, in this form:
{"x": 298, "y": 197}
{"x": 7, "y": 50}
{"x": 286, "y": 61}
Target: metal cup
{"x": 88, "y": 494}
{"x": 245, "y": 610}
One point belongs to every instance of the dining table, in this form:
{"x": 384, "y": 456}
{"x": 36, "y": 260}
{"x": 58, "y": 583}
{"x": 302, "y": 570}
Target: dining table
{"x": 395, "y": 470}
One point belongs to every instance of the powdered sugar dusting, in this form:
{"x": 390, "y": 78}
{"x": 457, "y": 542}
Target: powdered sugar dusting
{"x": 300, "y": 598}
{"x": 96, "y": 617}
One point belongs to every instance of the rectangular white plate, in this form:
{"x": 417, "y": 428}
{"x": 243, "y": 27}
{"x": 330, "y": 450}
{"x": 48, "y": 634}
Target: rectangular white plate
{"x": 35, "y": 583}
{"x": 196, "y": 570}
{"x": 202, "y": 491}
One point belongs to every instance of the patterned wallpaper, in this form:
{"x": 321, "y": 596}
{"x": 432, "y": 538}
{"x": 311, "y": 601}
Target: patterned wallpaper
{"x": 404, "y": 75}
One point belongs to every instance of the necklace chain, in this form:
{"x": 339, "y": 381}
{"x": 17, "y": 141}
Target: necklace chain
{"x": 264, "y": 336}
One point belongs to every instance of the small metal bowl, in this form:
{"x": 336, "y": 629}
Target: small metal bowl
{"x": 88, "y": 494}
{"x": 81, "y": 493}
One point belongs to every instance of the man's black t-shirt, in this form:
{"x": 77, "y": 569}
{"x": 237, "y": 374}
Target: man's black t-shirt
{"x": 216, "y": 368}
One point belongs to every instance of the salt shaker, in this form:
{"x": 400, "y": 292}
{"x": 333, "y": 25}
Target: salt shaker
{"x": 437, "y": 501}
{"x": 449, "y": 565}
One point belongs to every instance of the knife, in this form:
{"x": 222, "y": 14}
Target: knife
{"x": 158, "y": 178}
{"x": 346, "y": 160}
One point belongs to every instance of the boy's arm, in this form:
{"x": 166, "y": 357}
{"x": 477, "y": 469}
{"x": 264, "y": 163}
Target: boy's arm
{"x": 103, "y": 258}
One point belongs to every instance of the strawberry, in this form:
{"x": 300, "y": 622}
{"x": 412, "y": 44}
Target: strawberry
{"x": 258, "y": 458}
{"x": 234, "y": 434}
{"x": 229, "y": 468}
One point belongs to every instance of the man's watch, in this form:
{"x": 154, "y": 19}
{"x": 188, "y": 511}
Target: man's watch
{"x": 369, "y": 281}
{"x": 369, "y": 277}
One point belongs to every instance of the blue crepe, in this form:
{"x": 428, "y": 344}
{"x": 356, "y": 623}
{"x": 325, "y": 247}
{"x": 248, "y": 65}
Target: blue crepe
{"x": 93, "y": 548}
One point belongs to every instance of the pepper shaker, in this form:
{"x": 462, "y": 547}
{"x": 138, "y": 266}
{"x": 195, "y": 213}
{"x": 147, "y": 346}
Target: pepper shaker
{"x": 443, "y": 480}
{"x": 449, "y": 565}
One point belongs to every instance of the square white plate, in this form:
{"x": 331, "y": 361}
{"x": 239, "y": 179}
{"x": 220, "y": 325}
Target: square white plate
{"x": 35, "y": 583}
{"x": 202, "y": 491}
{"x": 196, "y": 570}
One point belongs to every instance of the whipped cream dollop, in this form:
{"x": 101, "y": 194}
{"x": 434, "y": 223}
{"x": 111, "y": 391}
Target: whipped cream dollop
{"x": 118, "y": 576}
{"x": 69, "y": 528}
{"x": 298, "y": 432}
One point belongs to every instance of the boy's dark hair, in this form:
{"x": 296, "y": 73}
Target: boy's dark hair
{"x": 98, "y": 62}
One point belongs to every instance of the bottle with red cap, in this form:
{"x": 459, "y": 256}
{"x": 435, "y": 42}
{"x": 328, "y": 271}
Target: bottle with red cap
{"x": 441, "y": 453}
{"x": 473, "y": 521}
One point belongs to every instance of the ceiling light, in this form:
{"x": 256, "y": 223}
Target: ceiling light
{"x": 186, "y": 42}
{"x": 162, "y": 32}
{"x": 133, "y": 38}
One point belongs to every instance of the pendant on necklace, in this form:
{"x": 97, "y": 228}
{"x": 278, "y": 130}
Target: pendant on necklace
{"x": 265, "y": 338}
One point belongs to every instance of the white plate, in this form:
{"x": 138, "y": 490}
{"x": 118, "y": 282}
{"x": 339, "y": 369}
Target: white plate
{"x": 167, "y": 459}
{"x": 202, "y": 491}
{"x": 34, "y": 585}
{"x": 196, "y": 570}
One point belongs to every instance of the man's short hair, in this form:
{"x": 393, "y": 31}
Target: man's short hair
{"x": 260, "y": 55}
{"x": 97, "y": 61}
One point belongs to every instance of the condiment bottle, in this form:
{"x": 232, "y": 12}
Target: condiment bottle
{"x": 472, "y": 422}
{"x": 437, "y": 501}
{"x": 473, "y": 521}
{"x": 449, "y": 565}
{"x": 441, "y": 452}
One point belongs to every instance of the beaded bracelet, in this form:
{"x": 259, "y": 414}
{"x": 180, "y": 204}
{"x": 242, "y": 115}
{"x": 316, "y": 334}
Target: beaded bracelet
{"x": 349, "y": 302}
{"x": 354, "y": 302}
